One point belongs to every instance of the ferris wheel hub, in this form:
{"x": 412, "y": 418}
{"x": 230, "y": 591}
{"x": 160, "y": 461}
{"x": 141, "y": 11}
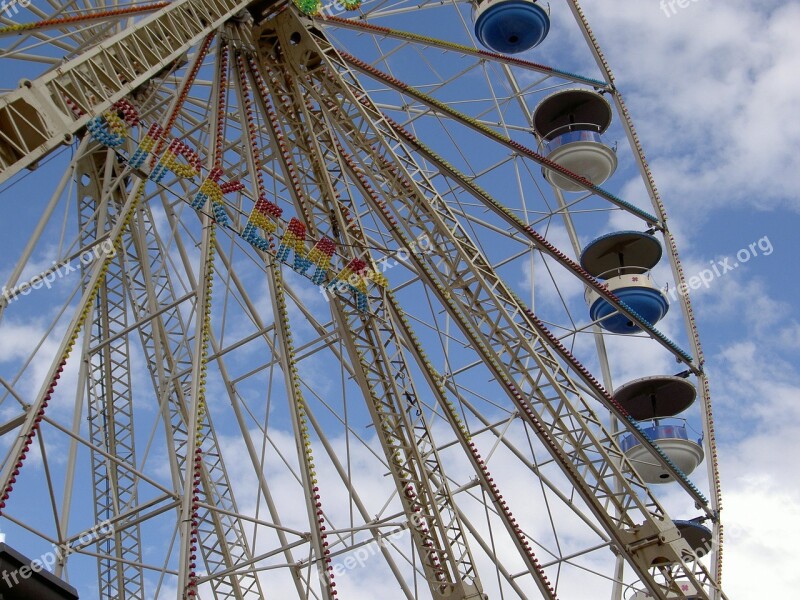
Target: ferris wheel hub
{"x": 510, "y": 26}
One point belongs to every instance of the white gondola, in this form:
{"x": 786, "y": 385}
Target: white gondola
{"x": 686, "y": 454}
{"x": 569, "y": 125}
{"x": 653, "y": 399}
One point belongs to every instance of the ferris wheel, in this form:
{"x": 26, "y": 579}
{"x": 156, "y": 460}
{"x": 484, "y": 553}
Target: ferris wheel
{"x": 340, "y": 301}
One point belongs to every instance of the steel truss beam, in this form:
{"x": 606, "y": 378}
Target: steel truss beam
{"x": 167, "y": 343}
{"x": 108, "y": 384}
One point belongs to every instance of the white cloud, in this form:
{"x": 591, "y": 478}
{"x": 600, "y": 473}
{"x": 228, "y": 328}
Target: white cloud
{"x": 711, "y": 90}
{"x": 757, "y": 407}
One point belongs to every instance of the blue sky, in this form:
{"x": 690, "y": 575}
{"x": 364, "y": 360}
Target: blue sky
{"x": 712, "y": 89}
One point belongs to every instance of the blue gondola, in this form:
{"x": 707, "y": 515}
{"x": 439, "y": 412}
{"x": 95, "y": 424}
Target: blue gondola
{"x": 623, "y": 260}
{"x": 510, "y": 26}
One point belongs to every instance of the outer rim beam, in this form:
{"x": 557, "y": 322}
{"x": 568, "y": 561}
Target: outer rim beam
{"x": 677, "y": 270}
